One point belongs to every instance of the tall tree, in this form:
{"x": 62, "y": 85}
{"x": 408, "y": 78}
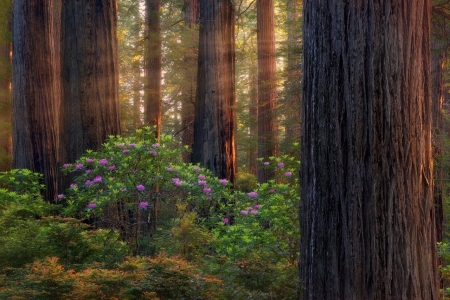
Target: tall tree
{"x": 35, "y": 125}
{"x": 90, "y": 108}
{"x": 153, "y": 66}
{"x": 5, "y": 81}
{"x": 367, "y": 210}
{"x": 267, "y": 89}
{"x": 188, "y": 89}
{"x": 214, "y": 146}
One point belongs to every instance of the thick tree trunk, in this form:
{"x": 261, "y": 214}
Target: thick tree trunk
{"x": 253, "y": 114}
{"x": 34, "y": 91}
{"x": 267, "y": 89}
{"x": 367, "y": 209}
{"x": 214, "y": 146}
{"x": 89, "y": 76}
{"x": 153, "y": 66}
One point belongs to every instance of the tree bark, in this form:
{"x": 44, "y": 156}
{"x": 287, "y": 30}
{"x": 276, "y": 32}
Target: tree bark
{"x": 89, "y": 76}
{"x": 367, "y": 209}
{"x": 214, "y": 146}
{"x": 153, "y": 66}
{"x": 188, "y": 90}
{"x": 5, "y": 90}
{"x": 267, "y": 90}
{"x": 35, "y": 129}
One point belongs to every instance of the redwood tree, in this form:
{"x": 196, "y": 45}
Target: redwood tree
{"x": 90, "y": 107}
{"x": 367, "y": 209}
{"x": 214, "y": 146}
{"x": 153, "y": 66}
{"x": 267, "y": 90}
{"x": 35, "y": 125}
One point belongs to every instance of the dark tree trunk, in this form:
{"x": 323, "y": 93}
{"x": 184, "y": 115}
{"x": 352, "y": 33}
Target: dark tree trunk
{"x": 35, "y": 130}
{"x": 153, "y": 66}
{"x": 367, "y": 209}
{"x": 214, "y": 146}
{"x": 267, "y": 90}
{"x": 437, "y": 88}
{"x": 191, "y": 12}
{"x": 89, "y": 76}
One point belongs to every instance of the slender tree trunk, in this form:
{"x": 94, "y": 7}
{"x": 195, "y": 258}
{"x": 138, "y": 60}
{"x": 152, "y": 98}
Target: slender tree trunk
{"x": 367, "y": 209}
{"x": 153, "y": 66}
{"x": 190, "y": 57}
{"x": 5, "y": 90}
{"x": 214, "y": 146}
{"x": 253, "y": 112}
{"x": 89, "y": 76}
{"x": 137, "y": 97}
{"x": 292, "y": 86}
{"x": 267, "y": 90}
{"x": 35, "y": 135}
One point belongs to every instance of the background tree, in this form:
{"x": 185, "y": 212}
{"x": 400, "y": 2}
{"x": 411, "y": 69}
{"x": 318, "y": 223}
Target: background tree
{"x": 153, "y": 65}
{"x": 89, "y": 76}
{"x": 267, "y": 89}
{"x": 214, "y": 146}
{"x": 367, "y": 210}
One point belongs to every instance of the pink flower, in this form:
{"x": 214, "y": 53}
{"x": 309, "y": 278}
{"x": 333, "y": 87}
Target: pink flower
{"x": 266, "y": 163}
{"x": 280, "y": 164}
{"x": 89, "y": 183}
{"x": 111, "y": 167}
{"x": 177, "y": 181}
{"x": 272, "y": 191}
{"x": 170, "y": 169}
{"x": 60, "y": 196}
{"x": 92, "y": 205}
{"x": 196, "y": 169}
{"x": 88, "y": 171}
{"x": 103, "y": 161}
{"x": 225, "y": 220}
{"x": 90, "y": 160}
{"x": 73, "y": 185}
{"x": 66, "y": 165}
{"x": 125, "y": 151}
{"x": 79, "y": 166}
{"x": 201, "y": 182}
{"x": 257, "y": 206}
{"x": 143, "y": 204}
{"x": 140, "y": 187}
{"x": 252, "y": 194}
{"x": 254, "y": 212}
{"x": 132, "y": 145}
{"x": 121, "y": 145}
{"x": 244, "y": 212}
{"x": 153, "y": 152}
{"x": 207, "y": 190}
{"x": 223, "y": 181}
{"x": 288, "y": 174}
{"x": 156, "y": 145}
{"x": 97, "y": 179}
{"x": 201, "y": 177}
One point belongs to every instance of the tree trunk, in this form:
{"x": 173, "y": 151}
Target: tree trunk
{"x": 267, "y": 89}
{"x": 367, "y": 209}
{"x": 35, "y": 135}
{"x": 437, "y": 88}
{"x": 214, "y": 146}
{"x": 89, "y": 76}
{"x": 191, "y": 12}
{"x": 5, "y": 90}
{"x": 153, "y": 66}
